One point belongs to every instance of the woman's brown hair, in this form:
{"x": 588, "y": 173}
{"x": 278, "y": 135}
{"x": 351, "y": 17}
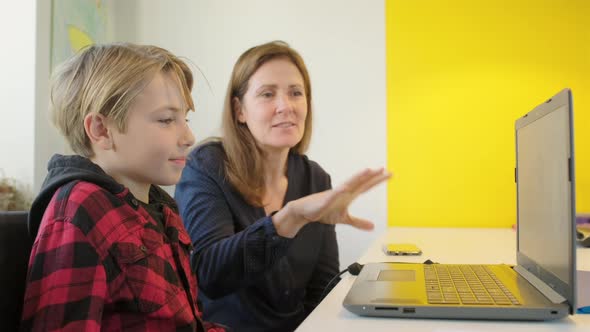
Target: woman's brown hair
{"x": 244, "y": 164}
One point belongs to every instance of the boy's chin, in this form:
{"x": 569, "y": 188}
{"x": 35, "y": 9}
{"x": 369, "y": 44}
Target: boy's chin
{"x": 168, "y": 182}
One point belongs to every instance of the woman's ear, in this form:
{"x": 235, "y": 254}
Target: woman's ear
{"x": 237, "y": 109}
{"x": 98, "y": 132}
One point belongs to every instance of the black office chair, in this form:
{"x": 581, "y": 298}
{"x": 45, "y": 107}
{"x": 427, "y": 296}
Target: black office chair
{"x": 15, "y": 248}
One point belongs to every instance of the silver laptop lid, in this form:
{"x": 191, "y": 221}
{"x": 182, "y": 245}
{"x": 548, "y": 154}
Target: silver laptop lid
{"x": 546, "y": 244}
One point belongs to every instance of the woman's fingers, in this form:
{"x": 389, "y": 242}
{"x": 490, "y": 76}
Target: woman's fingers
{"x": 359, "y": 178}
{"x": 333, "y": 204}
{"x": 365, "y": 180}
{"x": 315, "y": 208}
{"x": 360, "y": 223}
{"x": 373, "y": 181}
{"x": 358, "y": 184}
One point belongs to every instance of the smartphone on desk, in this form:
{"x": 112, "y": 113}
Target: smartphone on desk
{"x": 398, "y": 249}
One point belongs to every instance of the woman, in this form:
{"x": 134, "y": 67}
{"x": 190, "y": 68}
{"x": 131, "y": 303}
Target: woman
{"x": 250, "y": 201}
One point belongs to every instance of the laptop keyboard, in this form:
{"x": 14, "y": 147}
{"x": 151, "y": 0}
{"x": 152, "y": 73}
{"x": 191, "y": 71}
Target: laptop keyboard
{"x": 465, "y": 284}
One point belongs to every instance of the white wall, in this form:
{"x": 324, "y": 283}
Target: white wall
{"x": 343, "y": 44}
{"x": 17, "y": 95}
{"x": 48, "y": 141}
{"x": 28, "y": 139}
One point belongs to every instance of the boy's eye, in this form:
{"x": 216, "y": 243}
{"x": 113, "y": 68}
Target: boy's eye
{"x": 166, "y": 121}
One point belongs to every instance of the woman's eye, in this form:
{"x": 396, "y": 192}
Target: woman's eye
{"x": 267, "y": 94}
{"x": 297, "y": 93}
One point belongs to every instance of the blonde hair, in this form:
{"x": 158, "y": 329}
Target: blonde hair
{"x": 244, "y": 159}
{"x": 105, "y": 79}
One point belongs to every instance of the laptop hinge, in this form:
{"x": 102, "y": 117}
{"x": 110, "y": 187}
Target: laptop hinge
{"x": 542, "y": 287}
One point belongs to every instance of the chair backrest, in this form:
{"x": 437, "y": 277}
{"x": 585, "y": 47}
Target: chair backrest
{"x": 15, "y": 248}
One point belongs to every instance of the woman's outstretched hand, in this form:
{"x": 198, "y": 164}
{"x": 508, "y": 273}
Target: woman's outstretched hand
{"x": 330, "y": 207}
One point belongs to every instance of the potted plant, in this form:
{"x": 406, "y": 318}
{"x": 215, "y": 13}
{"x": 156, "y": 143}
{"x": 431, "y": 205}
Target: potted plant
{"x": 14, "y": 196}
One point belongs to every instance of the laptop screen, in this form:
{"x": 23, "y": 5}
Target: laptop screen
{"x": 545, "y": 193}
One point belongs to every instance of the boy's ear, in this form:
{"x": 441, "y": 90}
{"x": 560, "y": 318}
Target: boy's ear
{"x": 98, "y": 132}
{"x": 237, "y": 108}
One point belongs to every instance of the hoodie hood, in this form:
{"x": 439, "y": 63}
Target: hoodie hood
{"x": 64, "y": 169}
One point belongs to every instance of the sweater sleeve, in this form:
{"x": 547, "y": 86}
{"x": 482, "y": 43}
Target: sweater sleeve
{"x": 223, "y": 259}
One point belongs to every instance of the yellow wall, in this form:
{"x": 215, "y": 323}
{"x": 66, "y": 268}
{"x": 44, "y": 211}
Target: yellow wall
{"x": 459, "y": 73}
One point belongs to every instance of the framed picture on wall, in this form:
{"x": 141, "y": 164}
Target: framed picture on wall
{"x": 76, "y": 24}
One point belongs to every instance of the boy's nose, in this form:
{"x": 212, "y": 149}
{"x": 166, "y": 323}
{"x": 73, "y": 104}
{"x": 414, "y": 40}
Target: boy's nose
{"x": 187, "y": 138}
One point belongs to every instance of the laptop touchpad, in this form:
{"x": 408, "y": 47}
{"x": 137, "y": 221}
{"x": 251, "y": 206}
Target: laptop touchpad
{"x": 397, "y": 275}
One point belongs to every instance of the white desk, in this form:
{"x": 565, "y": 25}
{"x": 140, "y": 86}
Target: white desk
{"x": 442, "y": 245}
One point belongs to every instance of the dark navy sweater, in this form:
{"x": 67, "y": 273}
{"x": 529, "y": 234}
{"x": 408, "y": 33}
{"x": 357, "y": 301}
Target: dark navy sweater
{"x": 251, "y": 278}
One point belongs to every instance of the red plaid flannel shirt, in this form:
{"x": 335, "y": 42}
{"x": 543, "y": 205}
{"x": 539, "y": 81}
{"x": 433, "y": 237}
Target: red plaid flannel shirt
{"x": 101, "y": 263}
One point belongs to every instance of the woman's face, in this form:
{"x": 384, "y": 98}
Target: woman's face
{"x": 275, "y": 105}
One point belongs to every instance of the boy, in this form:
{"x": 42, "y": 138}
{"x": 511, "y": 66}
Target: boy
{"x": 110, "y": 250}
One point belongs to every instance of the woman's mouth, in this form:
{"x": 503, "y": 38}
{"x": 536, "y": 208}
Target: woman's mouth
{"x": 284, "y": 125}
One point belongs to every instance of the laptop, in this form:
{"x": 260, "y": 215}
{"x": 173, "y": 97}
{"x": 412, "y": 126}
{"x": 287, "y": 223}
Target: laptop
{"x": 542, "y": 286}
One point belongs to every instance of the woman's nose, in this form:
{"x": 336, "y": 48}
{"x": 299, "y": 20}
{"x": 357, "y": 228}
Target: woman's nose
{"x": 284, "y": 103}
